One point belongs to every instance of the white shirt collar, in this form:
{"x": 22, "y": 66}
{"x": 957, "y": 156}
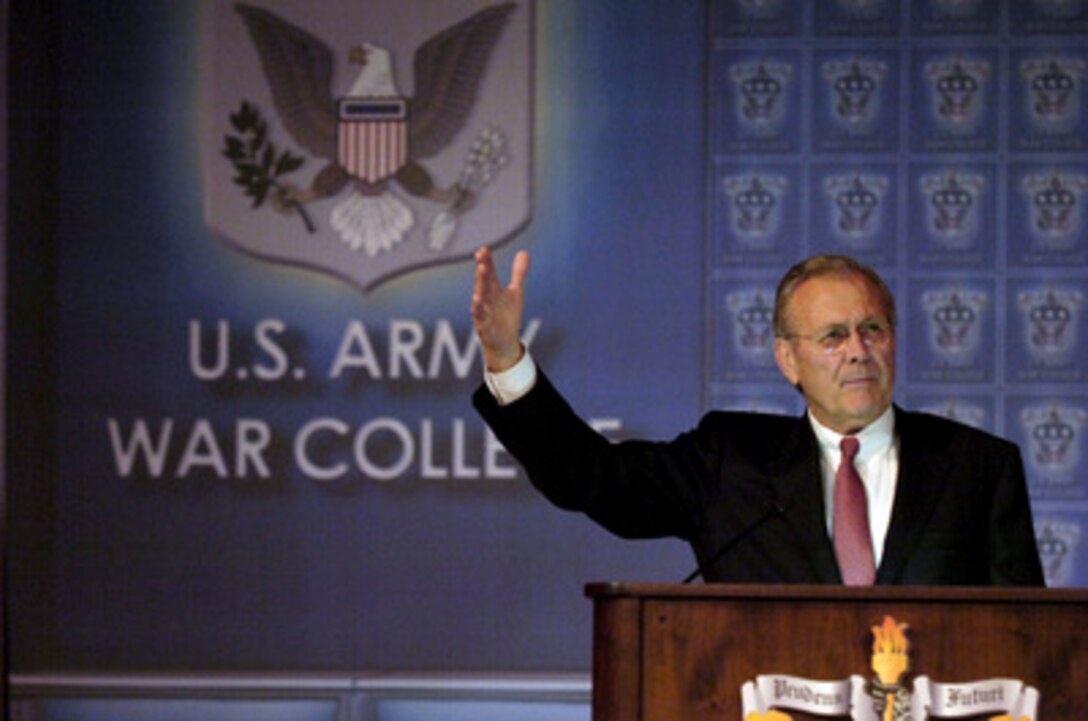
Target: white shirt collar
{"x": 875, "y": 438}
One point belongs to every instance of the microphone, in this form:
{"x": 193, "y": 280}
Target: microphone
{"x": 776, "y": 509}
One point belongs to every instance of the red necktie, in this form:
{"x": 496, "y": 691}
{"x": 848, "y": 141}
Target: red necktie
{"x": 850, "y": 527}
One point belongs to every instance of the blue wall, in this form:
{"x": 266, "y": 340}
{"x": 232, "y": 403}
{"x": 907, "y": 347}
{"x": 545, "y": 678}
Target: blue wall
{"x": 634, "y": 259}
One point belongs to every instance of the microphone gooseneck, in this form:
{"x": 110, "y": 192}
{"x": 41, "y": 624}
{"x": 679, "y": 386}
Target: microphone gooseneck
{"x": 776, "y": 509}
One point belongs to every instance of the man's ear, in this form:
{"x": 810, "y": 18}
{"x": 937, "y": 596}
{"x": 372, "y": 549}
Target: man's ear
{"x": 786, "y": 360}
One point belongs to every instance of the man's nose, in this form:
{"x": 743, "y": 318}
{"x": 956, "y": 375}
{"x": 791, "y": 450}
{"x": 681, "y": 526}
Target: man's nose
{"x": 856, "y": 347}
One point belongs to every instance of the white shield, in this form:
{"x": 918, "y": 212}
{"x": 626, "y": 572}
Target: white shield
{"x": 366, "y": 140}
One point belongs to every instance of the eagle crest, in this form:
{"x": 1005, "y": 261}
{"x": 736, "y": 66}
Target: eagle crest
{"x": 374, "y": 138}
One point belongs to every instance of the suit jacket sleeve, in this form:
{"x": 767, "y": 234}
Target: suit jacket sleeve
{"x": 1014, "y": 552}
{"x": 636, "y": 489}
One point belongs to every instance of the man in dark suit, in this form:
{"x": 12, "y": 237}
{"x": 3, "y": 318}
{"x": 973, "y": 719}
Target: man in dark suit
{"x": 856, "y": 491}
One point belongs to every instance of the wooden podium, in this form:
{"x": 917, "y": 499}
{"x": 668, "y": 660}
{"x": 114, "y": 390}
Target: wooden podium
{"x": 683, "y": 653}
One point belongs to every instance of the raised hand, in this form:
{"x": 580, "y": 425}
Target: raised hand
{"x": 497, "y": 311}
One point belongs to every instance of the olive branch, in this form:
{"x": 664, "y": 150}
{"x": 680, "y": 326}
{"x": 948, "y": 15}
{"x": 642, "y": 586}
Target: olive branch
{"x": 257, "y": 162}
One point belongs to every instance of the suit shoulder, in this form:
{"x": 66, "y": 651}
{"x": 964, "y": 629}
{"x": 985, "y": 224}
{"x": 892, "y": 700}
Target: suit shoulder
{"x": 749, "y": 419}
{"x": 743, "y": 425}
{"x": 949, "y": 431}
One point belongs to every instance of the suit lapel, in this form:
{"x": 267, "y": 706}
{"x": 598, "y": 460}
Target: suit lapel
{"x": 799, "y": 491}
{"x": 922, "y": 473}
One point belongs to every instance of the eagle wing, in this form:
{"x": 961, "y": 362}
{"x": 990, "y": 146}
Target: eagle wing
{"x": 298, "y": 67}
{"x": 448, "y": 70}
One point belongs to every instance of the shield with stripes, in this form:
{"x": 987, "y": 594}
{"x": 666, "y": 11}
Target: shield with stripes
{"x": 372, "y": 136}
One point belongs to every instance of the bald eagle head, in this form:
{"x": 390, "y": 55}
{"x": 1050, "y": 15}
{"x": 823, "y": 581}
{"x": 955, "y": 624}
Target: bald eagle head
{"x": 375, "y": 79}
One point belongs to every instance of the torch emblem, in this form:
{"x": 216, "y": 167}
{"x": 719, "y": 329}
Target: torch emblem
{"x": 887, "y": 696}
{"x": 890, "y": 663}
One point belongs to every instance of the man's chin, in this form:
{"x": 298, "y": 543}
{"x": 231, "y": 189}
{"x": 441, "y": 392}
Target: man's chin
{"x": 865, "y": 412}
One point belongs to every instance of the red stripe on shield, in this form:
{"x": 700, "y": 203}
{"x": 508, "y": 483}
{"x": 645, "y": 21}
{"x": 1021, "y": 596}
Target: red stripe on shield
{"x": 374, "y": 149}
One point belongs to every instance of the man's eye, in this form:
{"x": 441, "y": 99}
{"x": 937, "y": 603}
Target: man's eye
{"x": 874, "y": 328}
{"x": 834, "y": 337}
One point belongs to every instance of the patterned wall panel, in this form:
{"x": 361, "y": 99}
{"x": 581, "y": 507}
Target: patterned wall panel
{"x": 946, "y": 144}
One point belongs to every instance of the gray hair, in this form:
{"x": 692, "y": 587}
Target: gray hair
{"x": 822, "y": 265}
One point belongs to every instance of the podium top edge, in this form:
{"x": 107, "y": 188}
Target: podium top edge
{"x": 951, "y": 594}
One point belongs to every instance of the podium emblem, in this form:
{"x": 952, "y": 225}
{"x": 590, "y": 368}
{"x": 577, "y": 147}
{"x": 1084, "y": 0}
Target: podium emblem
{"x": 886, "y": 696}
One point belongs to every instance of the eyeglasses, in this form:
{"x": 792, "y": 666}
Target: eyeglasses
{"x": 834, "y": 338}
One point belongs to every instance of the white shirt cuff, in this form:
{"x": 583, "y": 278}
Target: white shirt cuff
{"x": 513, "y": 383}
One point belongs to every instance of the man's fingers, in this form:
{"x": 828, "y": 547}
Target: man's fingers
{"x": 487, "y": 278}
{"x": 487, "y": 282}
{"x": 519, "y": 269}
